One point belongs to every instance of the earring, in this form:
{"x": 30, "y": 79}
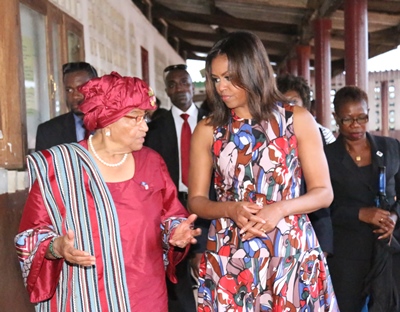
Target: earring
{"x": 108, "y": 133}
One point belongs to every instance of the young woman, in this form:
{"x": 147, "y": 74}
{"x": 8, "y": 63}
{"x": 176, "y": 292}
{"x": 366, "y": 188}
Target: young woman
{"x": 262, "y": 252}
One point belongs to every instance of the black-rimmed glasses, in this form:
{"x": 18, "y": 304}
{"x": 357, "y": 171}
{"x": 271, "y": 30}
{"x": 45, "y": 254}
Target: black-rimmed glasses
{"x": 361, "y": 120}
{"x": 173, "y": 67}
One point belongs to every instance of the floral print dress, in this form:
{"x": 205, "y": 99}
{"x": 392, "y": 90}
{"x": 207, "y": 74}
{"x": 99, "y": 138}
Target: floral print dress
{"x": 286, "y": 271}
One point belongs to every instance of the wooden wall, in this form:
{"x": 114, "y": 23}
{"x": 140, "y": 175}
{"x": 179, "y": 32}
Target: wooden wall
{"x": 13, "y": 295}
{"x": 12, "y": 148}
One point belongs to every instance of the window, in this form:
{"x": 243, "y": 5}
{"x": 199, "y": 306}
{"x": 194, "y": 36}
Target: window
{"x": 49, "y": 39}
{"x": 33, "y": 37}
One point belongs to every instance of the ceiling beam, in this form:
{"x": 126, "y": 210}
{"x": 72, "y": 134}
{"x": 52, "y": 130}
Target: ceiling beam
{"x": 160, "y": 11}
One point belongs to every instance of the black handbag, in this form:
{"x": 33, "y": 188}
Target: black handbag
{"x": 380, "y": 284}
{"x": 382, "y": 202}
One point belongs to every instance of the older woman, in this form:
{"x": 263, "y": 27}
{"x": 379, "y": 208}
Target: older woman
{"x": 354, "y": 161}
{"x": 102, "y": 218}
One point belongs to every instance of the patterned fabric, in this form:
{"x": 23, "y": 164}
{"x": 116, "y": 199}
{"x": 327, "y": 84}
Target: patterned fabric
{"x": 327, "y": 134}
{"x": 65, "y": 173}
{"x": 286, "y": 271}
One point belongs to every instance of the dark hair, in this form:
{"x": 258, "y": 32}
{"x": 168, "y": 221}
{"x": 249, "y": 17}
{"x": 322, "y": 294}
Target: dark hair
{"x": 249, "y": 69}
{"x": 349, "y": 94}
{"x": 79, "y": 66}
{"x": 289, "y": 82}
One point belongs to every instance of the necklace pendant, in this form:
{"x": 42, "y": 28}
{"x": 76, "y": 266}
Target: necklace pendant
{"x": 358, "y": 158}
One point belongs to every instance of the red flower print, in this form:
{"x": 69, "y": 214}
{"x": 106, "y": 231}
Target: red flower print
{"x": 236, "y": 292}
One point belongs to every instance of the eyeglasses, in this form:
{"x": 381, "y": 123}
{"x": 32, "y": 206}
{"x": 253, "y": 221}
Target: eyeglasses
{"x": 361, "y": 120}
{"x": 140, "y": 118}
{"x": 173, "y": 67}
{"x": 77, "y": 66}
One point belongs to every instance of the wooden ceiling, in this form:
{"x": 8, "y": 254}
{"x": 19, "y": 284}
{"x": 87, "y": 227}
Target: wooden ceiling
{"x": 192, "y": 26}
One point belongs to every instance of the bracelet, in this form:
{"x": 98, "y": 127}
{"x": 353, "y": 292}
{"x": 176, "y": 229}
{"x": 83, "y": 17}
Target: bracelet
{"x": 52, "y": 250}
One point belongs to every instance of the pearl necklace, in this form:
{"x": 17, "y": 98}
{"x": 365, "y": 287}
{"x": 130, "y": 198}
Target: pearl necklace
{"x": 101, "y": 160}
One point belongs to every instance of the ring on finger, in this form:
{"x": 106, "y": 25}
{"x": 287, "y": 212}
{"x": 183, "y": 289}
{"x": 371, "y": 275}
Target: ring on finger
{"x": 381, "y": 220}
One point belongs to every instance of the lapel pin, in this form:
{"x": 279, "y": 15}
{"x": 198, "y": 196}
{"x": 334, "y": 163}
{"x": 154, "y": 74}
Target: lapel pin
{"x": 145, "y": 185}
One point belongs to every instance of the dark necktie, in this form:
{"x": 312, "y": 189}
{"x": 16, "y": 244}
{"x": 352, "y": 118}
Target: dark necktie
{"x": 186, "y": 133}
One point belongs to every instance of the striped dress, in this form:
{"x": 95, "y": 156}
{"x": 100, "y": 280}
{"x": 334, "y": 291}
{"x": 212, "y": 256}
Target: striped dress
{"x": 128, "y": 236}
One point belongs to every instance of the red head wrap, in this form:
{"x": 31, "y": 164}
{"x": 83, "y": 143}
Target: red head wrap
{"x": 110, "y": 97}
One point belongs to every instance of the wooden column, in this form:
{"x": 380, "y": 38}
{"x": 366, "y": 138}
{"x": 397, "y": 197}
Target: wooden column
{"x": 356, "y": 43}
{"x": 385, "y": 107}
{"x": 303, "y": 61}
{"x": 13, "y": 295}
{"x": 322, "y": 29}
{"x": 12, "y": 124}
{"x": 291, "y": 66}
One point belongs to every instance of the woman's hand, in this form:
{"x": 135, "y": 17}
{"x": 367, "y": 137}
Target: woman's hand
{"x": 184, "y": 233}
{"x": 270, "y": 214}
{"x": 383, "y": 220}
{"x": 243, "y": 213}
{"x": 64, "y": 247}
{"x": 387, "y": 226}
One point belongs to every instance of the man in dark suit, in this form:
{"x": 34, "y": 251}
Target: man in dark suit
{"x": 68, "y": 127}
{"x": 164, "y": 136}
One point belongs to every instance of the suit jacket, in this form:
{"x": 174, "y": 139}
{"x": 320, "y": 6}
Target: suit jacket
{"x": 162, "y": 138}
{"x": 352, "y": 238}
{"x": 58, "y": 130}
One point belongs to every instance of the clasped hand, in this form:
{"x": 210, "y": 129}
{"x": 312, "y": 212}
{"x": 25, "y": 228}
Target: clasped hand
{"x": 255, "y": 220}
{"x": 384, "y": 221}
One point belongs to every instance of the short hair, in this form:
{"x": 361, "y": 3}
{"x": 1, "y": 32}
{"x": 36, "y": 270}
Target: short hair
{"x": 171, "y": 68}
{"x": 289, "y": 82}
{"x": 249, "y": 69}
{"x": 72, "y": 67}
{"x": 349, "y": 94}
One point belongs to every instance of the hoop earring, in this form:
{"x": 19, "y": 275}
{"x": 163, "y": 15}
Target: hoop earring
{"x": 108, "y": 133}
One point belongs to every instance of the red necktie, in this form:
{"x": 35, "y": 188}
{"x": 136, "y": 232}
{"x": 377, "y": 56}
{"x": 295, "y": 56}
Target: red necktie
{"x": 186, "y": 133}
